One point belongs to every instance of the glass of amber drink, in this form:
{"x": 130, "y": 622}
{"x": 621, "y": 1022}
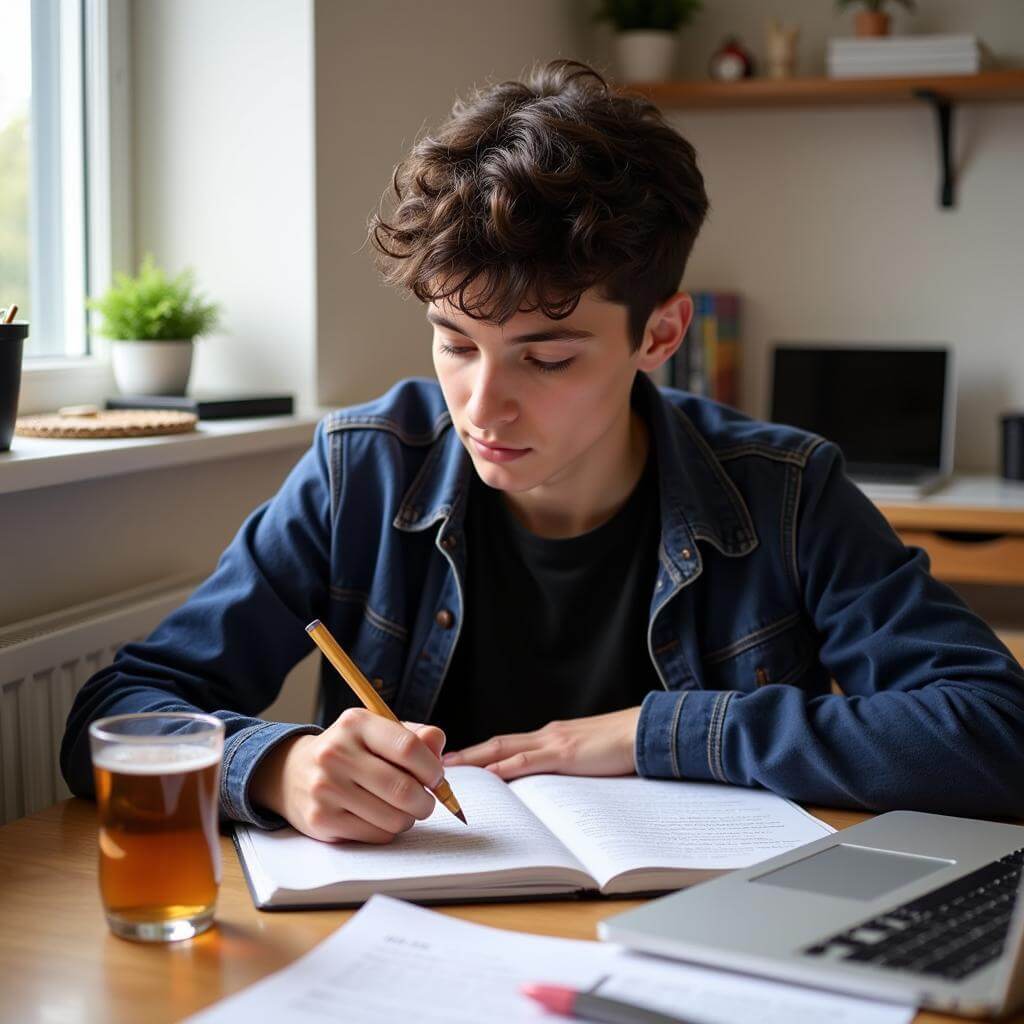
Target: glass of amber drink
{"x": 157, "y": 778}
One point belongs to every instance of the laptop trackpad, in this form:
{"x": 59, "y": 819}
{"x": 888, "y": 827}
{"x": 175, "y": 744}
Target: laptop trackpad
{"x": 852, "y": 872}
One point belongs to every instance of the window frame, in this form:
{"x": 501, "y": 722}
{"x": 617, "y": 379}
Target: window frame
{"x": 82, "y": 373}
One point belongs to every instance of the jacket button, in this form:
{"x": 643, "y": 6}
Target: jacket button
{"x": 444, "y": 619}
{"x": 378, "y": 684}
{"x": 685, "y": 552}
{"x": 448, "y": 542}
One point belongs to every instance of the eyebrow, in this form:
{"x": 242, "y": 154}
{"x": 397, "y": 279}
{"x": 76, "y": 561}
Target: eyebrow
{"x": 552, "y": 334}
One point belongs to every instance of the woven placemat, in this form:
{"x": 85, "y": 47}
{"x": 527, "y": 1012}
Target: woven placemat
{"x": 117, "y": 423}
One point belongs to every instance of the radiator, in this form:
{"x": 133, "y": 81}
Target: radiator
{"x": 43, "y": 663}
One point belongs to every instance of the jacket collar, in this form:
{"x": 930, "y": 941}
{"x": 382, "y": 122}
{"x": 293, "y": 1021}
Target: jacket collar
{"x": 698, "y": 500}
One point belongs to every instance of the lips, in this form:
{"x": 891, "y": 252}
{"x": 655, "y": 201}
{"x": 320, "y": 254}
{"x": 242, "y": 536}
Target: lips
{"x": 496, "y": 453}
{"x": 496, "y": 447}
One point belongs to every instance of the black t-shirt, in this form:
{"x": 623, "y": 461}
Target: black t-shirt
{"x": 553, "y": 629}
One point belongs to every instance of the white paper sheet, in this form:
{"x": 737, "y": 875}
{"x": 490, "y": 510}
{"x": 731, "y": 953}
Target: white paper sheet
{"x": 394, "y": 961}
{"x": 620, "y": 824}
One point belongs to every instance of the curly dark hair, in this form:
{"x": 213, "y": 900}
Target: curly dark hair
{"x": 534, "y": 191}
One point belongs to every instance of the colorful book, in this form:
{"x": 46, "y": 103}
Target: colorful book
{"x": 727, "y": 355}
{"x": 708, "y": 361}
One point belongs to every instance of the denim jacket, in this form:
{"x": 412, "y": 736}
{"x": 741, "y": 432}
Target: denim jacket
{"x": 776, "y": 577}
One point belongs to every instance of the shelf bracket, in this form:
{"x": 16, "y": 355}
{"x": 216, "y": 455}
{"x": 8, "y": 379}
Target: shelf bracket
{"x": 943, "y": 108}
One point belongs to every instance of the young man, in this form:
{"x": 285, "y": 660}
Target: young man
{"x": 555, "y": 563}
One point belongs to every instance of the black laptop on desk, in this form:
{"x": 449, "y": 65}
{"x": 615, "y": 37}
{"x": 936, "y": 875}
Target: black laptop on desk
{"x": 890, "y": 410}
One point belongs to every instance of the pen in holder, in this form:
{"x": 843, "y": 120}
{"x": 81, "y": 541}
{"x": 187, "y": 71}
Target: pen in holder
{"x": 12, "y": 339}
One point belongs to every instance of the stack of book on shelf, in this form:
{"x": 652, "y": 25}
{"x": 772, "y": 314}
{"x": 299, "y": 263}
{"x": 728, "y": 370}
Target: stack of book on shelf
{"x": 708, "y": 361}
{"x": 907, "y": 55}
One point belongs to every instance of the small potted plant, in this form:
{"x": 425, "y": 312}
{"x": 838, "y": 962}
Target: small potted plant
{"x": 873, "y": 20}
{"x": 153, "y": 321}
{"x": 646, "y": 34}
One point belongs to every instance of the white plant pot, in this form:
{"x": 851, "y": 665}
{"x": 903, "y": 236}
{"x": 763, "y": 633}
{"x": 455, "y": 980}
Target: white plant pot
{"x": 646, "y": 55}
{"x": 151, "y": 367}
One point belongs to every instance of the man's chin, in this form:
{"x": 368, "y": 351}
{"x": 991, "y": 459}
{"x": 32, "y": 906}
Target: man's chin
{"x": 508, "y": 477}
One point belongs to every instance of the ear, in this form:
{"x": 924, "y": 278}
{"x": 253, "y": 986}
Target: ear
{"x": 665, "y": 330}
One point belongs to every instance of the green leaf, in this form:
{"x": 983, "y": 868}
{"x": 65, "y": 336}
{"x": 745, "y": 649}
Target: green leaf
{"x": 629, "y": 15}
{"x": 153, "y": 307}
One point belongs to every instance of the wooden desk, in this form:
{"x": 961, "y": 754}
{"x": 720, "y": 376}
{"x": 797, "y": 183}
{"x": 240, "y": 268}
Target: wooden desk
{"x": 58, "y": 962}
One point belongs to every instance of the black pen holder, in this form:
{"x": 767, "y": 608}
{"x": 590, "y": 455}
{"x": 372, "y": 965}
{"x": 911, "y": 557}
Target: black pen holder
{"x": 12, "y": 342}
{"x": 1013, "y": 446}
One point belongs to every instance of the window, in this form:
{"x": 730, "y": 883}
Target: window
{"x": 60, "y": 111}
{"x": 15, "y": 91}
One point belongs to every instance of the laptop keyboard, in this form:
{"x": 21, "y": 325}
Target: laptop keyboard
{"x": 951, "y": 932}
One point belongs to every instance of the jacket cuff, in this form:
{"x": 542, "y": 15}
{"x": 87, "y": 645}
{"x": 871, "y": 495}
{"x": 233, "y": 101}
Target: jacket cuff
{"x": 679, "y": 735}
{"x": 243, "y": 751}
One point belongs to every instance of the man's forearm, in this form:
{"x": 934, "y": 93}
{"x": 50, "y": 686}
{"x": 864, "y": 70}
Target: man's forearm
{"x": 944, "y": 747}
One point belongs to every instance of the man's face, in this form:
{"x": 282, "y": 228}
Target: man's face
{"x": 533, "y": 398}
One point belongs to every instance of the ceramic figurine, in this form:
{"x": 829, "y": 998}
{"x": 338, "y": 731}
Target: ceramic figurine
{"x": 731, "y": 62}
{"x": 782, "y": 40}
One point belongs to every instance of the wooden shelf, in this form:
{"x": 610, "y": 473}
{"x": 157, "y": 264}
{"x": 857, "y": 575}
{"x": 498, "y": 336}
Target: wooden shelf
{"x": 941, "y": 92}
{"x": 986, "y": 87}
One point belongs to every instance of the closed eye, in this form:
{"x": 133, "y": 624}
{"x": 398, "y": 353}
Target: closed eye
{"x": 540, "y": 364}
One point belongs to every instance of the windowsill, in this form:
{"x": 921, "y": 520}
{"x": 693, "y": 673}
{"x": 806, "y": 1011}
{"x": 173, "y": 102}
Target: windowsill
{"x": 48, "y": 382}
{"x": 45, "y": 462}
{"x": 34, "y": 365}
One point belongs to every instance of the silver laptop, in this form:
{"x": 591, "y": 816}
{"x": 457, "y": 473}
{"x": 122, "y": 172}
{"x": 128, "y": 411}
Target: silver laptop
{"x": 890, "y": 409}
{"x": 907, "y": 907}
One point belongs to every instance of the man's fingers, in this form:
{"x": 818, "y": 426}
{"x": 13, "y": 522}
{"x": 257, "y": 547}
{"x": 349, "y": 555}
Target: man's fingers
{"x": 373, "y": 810}
{"x": 332, "y": 824}
{"x": 392, "y": 742}
{"x": 394, "y": 786}
{"x": 526, "y": 762}
{"x": 497, "y": 748}
{"x": 430, "y": 734}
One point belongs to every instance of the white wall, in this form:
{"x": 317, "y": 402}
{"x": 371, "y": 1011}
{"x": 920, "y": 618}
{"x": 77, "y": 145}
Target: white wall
{"x": 385, "y": 71}
{"x": 826, "y": 221}
{"x": 66, "y": 545}
{"x": 223, "y": 134}
{"x": 76, "y": 542}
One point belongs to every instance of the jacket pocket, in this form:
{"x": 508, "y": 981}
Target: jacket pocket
{"x": 779, "y": 653}
{"x": 379, "y": 646}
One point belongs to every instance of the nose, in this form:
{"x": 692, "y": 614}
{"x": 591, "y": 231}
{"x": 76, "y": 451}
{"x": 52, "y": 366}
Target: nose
{"x": 491, "y": 401}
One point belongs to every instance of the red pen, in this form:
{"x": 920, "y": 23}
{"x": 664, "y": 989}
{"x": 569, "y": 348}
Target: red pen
{"x": 571, "y": 1003}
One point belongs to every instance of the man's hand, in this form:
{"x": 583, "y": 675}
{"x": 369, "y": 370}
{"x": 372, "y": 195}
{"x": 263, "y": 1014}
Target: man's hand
{"x": 599, "y": 745}
{"x": 362, "y": 778}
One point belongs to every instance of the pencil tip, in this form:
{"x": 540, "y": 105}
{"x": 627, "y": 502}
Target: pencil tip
{"x": 461, "y": 817}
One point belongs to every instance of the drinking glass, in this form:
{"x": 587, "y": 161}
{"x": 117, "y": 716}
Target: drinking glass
{"x": 157, "y": 776}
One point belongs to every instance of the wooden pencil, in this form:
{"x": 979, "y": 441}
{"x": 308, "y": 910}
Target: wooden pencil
{"x": 372, "y": 701}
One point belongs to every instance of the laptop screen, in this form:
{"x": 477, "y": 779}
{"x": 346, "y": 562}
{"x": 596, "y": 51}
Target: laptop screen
{"x": 884, "y": 407}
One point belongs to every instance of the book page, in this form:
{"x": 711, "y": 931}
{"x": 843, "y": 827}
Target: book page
{"x": 501, "y": 835}
{"x": 396, "y": 962}
{"x": 615, "y": 825}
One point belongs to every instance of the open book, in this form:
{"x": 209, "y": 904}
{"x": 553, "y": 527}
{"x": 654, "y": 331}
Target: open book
{"x": 543, "y": 835}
